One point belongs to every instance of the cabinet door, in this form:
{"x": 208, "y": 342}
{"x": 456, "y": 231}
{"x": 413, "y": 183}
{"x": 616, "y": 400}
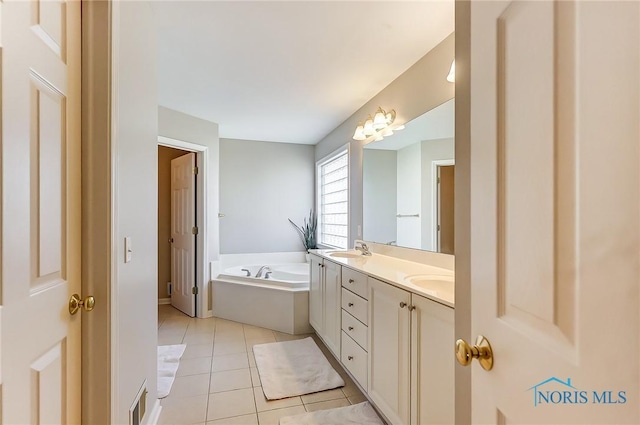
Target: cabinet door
{"x": 389, "y": 355}
{"x": 316, "y": 294}
{"x": 432, "y": 369}
{"x": 332, "y": 306}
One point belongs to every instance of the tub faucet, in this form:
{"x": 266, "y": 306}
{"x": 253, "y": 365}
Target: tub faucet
{"x": 267, "y": 274}
{"x": 259, "y": 274}
{"x": 247, "y": 272}
{"x": 362, "y": 247}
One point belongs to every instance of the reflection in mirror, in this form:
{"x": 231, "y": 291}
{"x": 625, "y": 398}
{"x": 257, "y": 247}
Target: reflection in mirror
{"x": 408, "y": 184}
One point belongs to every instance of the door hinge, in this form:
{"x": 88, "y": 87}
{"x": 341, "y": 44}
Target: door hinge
{"x": 194, "y": 230}
{"x": 195, "y": 170}
{"x": 438, "y": 180}
{"x": 194, "y": 290}
{"x": 438, "y": 227}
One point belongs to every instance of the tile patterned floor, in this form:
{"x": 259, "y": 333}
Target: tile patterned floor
{"x": 217, "y": 381}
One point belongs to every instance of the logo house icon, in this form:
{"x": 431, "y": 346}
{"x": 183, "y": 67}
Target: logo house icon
{"x": 554, "y": 397}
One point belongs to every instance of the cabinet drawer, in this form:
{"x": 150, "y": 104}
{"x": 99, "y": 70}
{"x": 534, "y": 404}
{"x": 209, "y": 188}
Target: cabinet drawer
{"x": 355, "y": 305}
{"x": 355, "y": 282}
{"x": 354, "y": 358}
{"x": 356, "y": 330}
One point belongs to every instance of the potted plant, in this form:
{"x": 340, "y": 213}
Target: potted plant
{"x": 308, "y": 232}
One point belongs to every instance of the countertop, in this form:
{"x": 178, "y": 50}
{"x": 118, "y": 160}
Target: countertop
{"x": 396, "y": 272}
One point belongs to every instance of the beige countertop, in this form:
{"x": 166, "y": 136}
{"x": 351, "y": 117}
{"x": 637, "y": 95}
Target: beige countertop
{"x": 435, "y": 283}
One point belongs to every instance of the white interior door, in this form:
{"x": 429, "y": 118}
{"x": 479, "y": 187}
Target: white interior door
{"x": 183, "y": 222}
{"x": 555, "y": 210}
{"x": 40, "y": 86}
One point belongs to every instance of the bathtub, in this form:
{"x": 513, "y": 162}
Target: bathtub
{"x": 279, "y": 302}
{"x": 293, "y": 275}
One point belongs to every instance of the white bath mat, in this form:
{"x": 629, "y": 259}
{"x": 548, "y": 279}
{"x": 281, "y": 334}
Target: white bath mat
{"x": 292, "y": 368}
{"x": 358, "y": 414}
{"x": 168, "y": 362}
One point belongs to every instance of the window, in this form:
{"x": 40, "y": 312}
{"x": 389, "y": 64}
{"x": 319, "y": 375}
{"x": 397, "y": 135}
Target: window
{"x": 333, "y": 200}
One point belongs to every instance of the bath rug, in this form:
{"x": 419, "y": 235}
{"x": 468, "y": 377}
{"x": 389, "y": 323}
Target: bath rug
{"x": 358, "y": 414}
{"x": 168, "y": 362}
{"x": 292, "y": 368}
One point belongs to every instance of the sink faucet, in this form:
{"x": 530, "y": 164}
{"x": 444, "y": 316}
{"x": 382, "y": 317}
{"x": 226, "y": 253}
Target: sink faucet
{"x": 259, "y": 274}
{"x": 362, "y": 247}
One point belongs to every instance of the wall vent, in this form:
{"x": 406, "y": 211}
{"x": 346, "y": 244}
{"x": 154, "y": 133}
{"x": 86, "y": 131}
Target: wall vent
{"x": 139, "y": 406}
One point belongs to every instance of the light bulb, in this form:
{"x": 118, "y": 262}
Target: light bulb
{"x": 359, "y": 133}
{"x": 452, "y": 72}
{"x": 368, "y": 127}
{"x": 387, "y": 132}
{"x": 378, "y": 137}
{"x": 379, "y": 119}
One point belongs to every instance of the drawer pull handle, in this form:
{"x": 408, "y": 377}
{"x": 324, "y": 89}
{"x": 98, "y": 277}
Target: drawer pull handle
{"x": 412, "y": 307}
{"x": 403, "y": 304}
{"x": 350, "y": 304}
{"x": 350, "y": 357}
{"x": 351, "y": 280}
{"x": 350, "y": 328}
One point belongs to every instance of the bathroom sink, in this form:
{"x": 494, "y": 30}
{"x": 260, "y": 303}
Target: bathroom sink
{"x": 345, "y": 254}
{"x": 432, "y": 283}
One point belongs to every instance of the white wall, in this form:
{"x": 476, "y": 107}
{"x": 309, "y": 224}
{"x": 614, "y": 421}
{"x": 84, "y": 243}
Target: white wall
{"x": 432, "y": 150}
{"x": 263, "y": 184}
{"x": 134, "y": 141}
{"x": 183, "y": 127}
{"x": 409, "y": 196}
{"x": 379, "y": 191}
{"x": 419, "y": 89}
{"x": 179, "y": 126}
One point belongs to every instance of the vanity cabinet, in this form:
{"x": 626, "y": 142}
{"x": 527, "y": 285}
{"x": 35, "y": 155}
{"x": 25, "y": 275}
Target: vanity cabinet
{"x": 325, "y": 301}
{"x": 396, "y": 344}
{"x": 411, "y": 362}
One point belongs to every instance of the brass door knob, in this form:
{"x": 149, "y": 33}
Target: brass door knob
{"x": 481, "y": 351}
{"x": 75, "y": 303}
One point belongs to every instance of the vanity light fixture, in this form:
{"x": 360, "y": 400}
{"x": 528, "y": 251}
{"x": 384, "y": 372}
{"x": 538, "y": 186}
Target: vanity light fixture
{"x": 377, "y": 126}
{"x": 452, "y": 72}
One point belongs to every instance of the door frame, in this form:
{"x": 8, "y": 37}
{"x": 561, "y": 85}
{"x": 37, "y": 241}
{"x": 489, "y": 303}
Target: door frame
{"x": 435, "y": 204}
{"x": 202, "y": 159}
{"x": 99, "y": 336}
{"x": 462, "y": 199}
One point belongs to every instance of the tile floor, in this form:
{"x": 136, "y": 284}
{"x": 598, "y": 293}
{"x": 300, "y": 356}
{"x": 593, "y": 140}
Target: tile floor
{"x": 217, "y": 381}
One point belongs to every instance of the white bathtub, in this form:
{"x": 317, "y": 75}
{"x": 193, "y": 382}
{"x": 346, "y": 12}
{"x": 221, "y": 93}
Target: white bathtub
{"x": 293, "y": 275}
{"x": 280, "y": 302}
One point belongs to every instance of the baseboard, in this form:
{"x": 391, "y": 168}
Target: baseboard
{"x": 154, "y": 414}
{"x": 164, "y": 301}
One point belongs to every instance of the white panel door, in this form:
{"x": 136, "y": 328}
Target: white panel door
{"x": 40, "y": 86}
{"x": 555, "y": 210}
{"x": 183, "y": 239}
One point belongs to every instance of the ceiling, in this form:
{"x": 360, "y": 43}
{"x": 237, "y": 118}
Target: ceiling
{"x": 288, "y": 71}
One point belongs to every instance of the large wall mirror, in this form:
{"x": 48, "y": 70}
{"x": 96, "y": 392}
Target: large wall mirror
{"x": 408, "y": 184}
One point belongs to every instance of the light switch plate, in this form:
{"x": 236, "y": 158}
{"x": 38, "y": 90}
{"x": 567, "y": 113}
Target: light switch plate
{"x": 128, "y": 250}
